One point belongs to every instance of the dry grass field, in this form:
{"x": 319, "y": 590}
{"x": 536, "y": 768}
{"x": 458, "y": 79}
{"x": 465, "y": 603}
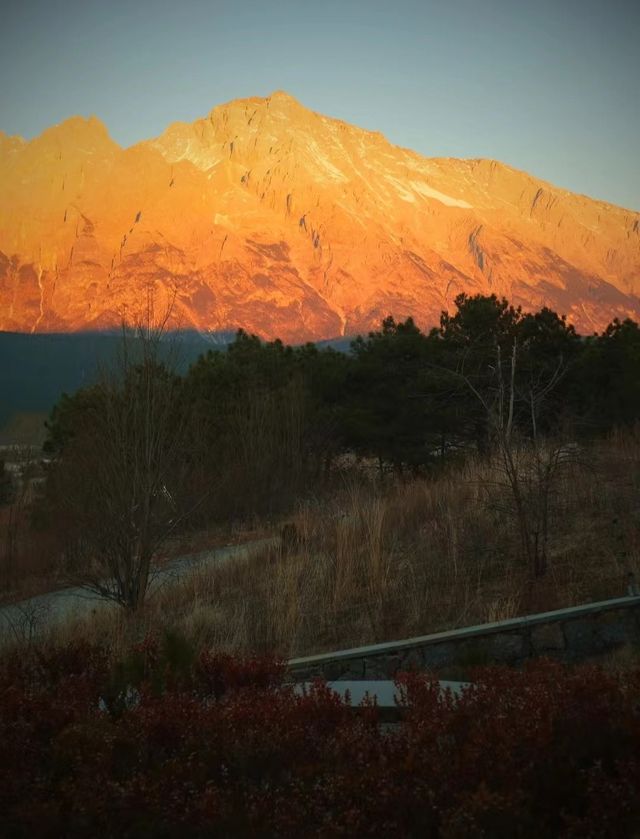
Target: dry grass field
{"x": 377, "y": 563}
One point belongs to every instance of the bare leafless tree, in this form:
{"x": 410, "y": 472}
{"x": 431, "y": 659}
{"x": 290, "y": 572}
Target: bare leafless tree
{"x": 19, "y": 491}
{"x": 529, "y": 462}
{"x": 123, "y": 479}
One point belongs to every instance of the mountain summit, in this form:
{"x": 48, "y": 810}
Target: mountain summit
{"x": 268, "y": 216}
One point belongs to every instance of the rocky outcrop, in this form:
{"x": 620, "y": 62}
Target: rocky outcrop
{"x": 268, "y": 216}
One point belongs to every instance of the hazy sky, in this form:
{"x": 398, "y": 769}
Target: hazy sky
{"x": 549, "y": 86}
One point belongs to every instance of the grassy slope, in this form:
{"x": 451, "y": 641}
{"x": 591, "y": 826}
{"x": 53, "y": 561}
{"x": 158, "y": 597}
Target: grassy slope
{"x": 383, "y": 563}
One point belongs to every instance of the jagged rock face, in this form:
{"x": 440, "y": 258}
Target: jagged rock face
{"x": 268, "y": 216}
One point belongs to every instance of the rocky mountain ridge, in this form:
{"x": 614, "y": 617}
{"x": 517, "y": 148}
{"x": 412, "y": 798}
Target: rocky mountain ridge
{"x": 268, "y": 216}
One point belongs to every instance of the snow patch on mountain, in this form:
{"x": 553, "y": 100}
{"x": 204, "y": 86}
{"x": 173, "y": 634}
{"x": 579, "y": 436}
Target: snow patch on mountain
{"x": 430, "y": 192}
{"x": 323, "y": 162}
{"x": 193, "y": 150}
{"x": 400, "y": 189}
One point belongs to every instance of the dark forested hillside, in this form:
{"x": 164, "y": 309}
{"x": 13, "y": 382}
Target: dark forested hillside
{"x": 36, "y": 369}
{"x": 268, "y": 420}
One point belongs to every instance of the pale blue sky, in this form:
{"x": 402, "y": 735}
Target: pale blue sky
{"x": 551, "y": 86}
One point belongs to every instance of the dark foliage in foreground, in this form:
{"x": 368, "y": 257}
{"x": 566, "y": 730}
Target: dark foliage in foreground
{"x": 171, "y": 743}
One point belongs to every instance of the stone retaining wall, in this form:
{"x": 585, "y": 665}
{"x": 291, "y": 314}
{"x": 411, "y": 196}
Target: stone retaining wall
{"x": 574, "y": 634}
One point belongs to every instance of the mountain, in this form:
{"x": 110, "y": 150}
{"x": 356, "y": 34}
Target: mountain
{"x": 37, "y": 369}
{"x": 269, "y": 216}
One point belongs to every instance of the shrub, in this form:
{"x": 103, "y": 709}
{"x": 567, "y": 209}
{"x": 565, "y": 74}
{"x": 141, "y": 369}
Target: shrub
{"x": 215, "y": 745}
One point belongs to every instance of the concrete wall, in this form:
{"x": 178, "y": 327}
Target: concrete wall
{"x": 575, "y": 634}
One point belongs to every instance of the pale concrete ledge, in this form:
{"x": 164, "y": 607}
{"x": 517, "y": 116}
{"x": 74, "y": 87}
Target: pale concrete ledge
{"x": 385, "y": 694}
{"x": 573, "y": 634}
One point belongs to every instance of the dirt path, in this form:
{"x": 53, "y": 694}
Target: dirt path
{"x": 27, "y": 618}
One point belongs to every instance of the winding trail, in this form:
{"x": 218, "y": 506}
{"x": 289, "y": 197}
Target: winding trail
{"x": 28, "y": 618}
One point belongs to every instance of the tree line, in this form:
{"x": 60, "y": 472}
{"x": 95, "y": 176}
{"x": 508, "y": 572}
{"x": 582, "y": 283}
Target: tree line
{"x": 247, "y": 430}
{"x": 403, "y": 396}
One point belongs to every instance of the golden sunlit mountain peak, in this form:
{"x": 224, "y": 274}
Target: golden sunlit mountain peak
{"x": 269, "y": 216}
{"x": 76, "y": 130}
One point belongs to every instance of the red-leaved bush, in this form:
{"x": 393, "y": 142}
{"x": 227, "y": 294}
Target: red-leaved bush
{"x": 173, "y": 743}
